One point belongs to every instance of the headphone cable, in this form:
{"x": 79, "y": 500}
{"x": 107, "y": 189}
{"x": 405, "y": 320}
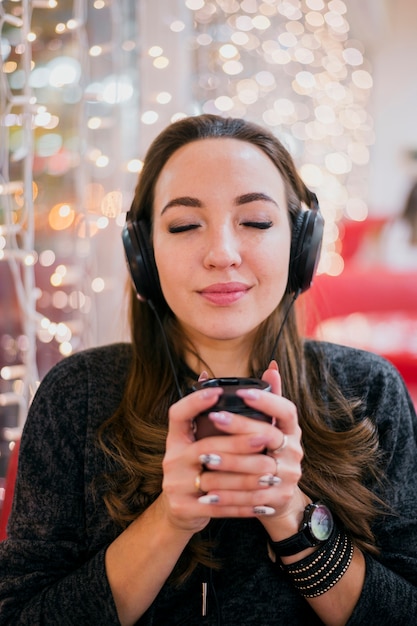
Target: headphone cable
{"x": 168, "y": 351}
{"x": 287, "y": 312}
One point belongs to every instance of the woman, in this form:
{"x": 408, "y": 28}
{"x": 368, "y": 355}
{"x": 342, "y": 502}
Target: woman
{"x": 124, "y": 513}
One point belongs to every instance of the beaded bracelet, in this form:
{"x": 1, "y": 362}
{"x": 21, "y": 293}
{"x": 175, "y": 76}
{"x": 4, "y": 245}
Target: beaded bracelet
{"x": 321, "y": 570}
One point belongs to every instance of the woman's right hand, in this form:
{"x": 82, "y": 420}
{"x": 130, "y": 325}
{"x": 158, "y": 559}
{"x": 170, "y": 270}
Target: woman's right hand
{"x": 181, "y": 464}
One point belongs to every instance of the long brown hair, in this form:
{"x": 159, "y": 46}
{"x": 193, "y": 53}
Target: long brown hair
{"x": 336, "y": 459}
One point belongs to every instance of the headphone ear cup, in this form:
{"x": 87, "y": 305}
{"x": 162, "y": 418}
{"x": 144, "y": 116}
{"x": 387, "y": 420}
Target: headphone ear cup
{"x": 141, "y": 261}
{"x": 307, "y": 235}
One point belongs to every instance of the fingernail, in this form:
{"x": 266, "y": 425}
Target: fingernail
{"x": 269, "y": 480}
{"x": 210, "y": 392}
{"x": 263, "y": 510}
{"x": 251, "y": 394}
{"x": 203, "y": 376}
{"x": 210, "y": 459}
{"x": 259, "y": 440}
{"x": 209, "y": 499}
{"x": 220, "y": 417}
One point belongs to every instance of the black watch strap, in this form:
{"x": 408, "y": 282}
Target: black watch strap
{"x": 304, "y": 538}
{"x": 293, "y": 545}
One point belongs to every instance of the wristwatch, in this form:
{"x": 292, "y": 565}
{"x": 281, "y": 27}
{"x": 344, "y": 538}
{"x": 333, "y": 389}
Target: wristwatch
{"x": 316, "y": 527}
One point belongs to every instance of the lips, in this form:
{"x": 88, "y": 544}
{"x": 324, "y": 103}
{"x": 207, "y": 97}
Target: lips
{"x": 224, "y": 293}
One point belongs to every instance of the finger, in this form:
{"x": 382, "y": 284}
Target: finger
{"x": 283, "y": 410}
{"x": 209, "y": 502}
{"x": 226, "y": 504}
{"x": 262, "y": 432}
{"x": 273, "y": 377}
{"x": 288, "y": 468}
{"x": 228, "y": 481}
{"x": 182, "y": 412}
{"x": 275, "y": 452}
{"x": 258, "y": 437}
{"x": 237, "y": 463}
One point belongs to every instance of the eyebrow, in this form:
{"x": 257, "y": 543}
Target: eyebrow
{"x": 182, "y": 201}
{"x": 254, "y": 197}
{"x": 245, "y": 198}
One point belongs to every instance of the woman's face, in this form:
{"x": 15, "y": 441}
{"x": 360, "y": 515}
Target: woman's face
{"x": 221, "y": 238}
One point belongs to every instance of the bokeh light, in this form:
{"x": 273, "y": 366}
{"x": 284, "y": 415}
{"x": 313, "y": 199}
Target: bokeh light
{"x": 82, "y": 98}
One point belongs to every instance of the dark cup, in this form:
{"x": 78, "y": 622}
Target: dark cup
{"x": 228, "y": 401}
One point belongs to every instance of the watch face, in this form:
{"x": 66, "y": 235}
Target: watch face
{"x": 321, "y": 522}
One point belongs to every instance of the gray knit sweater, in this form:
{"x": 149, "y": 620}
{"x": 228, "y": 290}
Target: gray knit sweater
{"x": 52, "y": 566}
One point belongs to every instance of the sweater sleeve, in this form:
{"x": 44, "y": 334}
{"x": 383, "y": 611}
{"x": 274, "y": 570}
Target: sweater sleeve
{"x": 51, "y": 570}
{"x": 389, "y": 595}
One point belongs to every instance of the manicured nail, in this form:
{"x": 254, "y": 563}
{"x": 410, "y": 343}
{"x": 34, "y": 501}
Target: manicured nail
{"x": 251, "y": 394}
{"x": 220, "y": 417}
{"x": 210, "y": 392}
{"x": 263, "y": 510}
{"x": 209, "y": 499}
{"x": 203, "y": 376}
{"x": 210, "y": 459}
{"x": 259, "y": 440}
{"x": 270, "y": 480}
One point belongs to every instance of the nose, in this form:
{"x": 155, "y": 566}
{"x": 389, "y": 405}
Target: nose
{"x": 222, "y": 248}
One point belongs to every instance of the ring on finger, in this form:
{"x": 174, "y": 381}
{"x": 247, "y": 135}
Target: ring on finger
{"x": 277, "y": 465}
{"x": 197, "y": 482}
{"x": 281, "y": 447}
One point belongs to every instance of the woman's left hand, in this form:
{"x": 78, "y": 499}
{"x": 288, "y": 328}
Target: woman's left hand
{"x": 251, "y": 484}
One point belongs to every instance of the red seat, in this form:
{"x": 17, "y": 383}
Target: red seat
{"x": 9, "y": 490}
{"x": 373, "y": 290}
{"x": 374, "y": 309}
{"x": 354, "y": 235}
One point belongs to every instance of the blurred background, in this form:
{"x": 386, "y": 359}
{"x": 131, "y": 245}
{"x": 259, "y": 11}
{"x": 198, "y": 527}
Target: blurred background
{"x": 87, "y": 84}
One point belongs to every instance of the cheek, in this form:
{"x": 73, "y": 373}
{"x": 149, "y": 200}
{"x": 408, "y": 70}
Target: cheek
{"x": 162, "y": 268}
{"x": 174, "y": 271}
{"x": 166, "y": 274}
{"x": 273, "y": 261}
{"x": 274, "y": 284}
{"x": 163, "y": 257}
{"x": 273, "y": 274}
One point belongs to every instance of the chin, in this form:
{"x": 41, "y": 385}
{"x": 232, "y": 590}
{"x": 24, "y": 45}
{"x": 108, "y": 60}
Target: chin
{"x": 229, "y": 334}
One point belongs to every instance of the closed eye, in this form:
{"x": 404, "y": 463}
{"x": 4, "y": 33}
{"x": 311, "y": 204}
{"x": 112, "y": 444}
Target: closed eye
{"x": 260, "y": 225}
{"x": 181, "y": 228}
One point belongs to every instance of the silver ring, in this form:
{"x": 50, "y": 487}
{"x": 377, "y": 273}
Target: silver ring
{"x": 281, "y": 447}
{"x": 277, "y": 464}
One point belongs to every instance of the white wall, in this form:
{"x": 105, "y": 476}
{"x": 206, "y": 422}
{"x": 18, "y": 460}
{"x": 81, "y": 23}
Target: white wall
{"x": 388, "y": 29}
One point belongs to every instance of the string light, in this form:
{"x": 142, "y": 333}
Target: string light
{"x": 18, "y": 382}
{"x": 42, "y": 140}
{"x": 83, "y": 101}
{"x": 292, "y": 66}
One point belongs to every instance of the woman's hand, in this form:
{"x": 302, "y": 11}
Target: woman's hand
{"x": 242, "y": 482}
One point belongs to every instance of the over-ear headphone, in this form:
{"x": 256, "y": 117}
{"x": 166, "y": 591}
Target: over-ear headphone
{"x": 306, "y": 240}
{"x": 307, "y": 234}
{"x": 140, "y": 259}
